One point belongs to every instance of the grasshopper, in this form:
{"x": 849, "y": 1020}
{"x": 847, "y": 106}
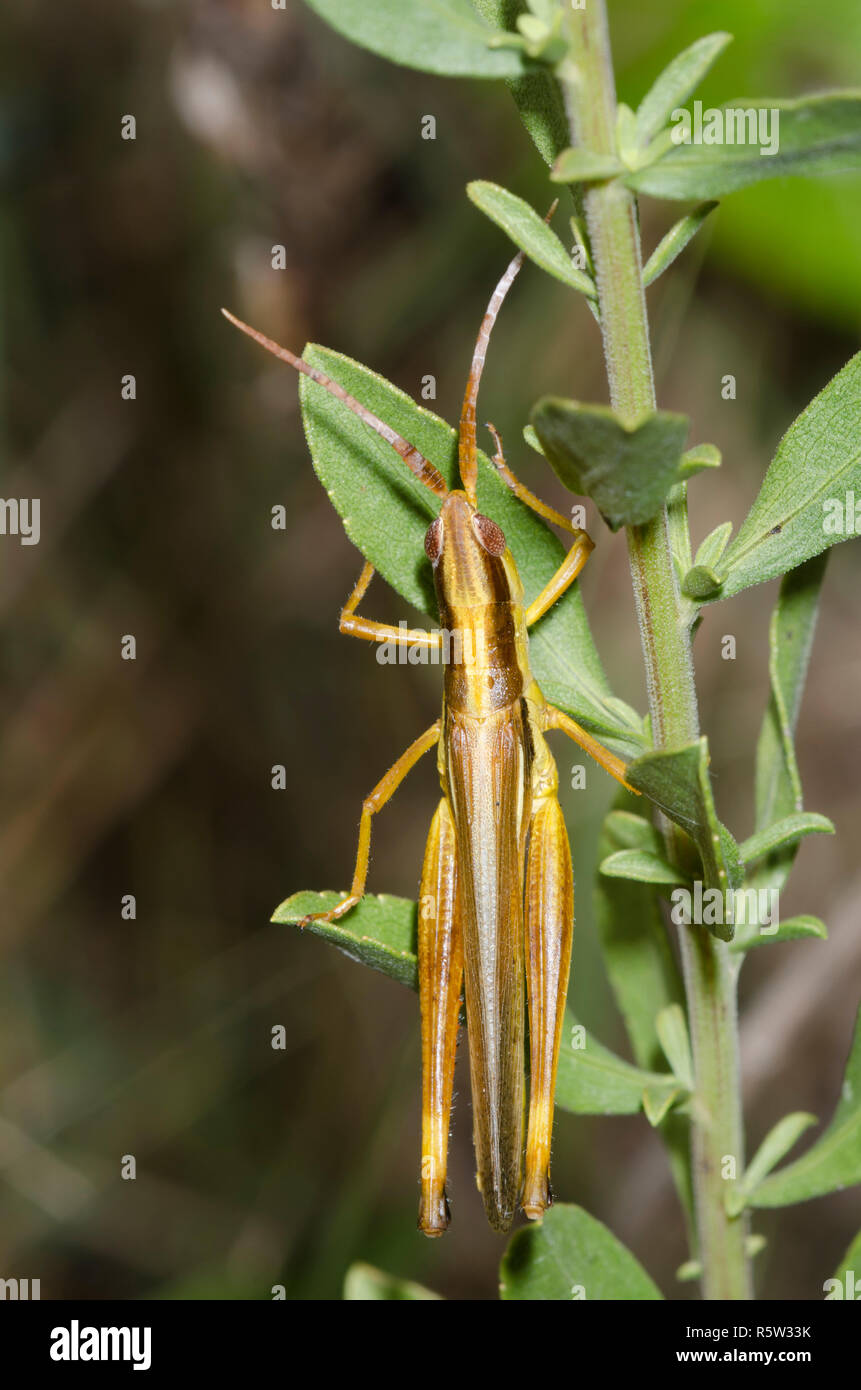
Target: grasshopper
{"x": 497, "y": 895}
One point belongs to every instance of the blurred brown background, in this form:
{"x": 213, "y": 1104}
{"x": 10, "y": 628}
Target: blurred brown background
{"x": 152, "y": 1037}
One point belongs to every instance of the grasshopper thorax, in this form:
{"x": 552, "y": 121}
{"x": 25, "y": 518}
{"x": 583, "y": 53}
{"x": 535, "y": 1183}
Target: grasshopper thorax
{"x": 480, "y": 605}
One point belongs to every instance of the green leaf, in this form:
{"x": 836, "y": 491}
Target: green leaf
{"x": 626, "y": 135}
{"x": 364, "y": 1283}
{"x": 386, "y": 512}
{"x": 530, "y": 232}
{"x": 578, "y": 165}
{"x": 626, "y": 467}
{"x": 715, "y": 543}
{"x": 641, "y": 865}
{"x": 695, "y": 460}
{"x": 775, "y": 1146}
{"x": 446, "y": 37}
{"x": 629, "y": 830}
{"x": 677, "y": 780}
{"x": 817, "y": 135}
{"x": 778, "y": 784}
{"x": 592, "y": 1080}
{"x": 700, "y": 580}
{"x": 782, "y": 833}
{"x": 568, "y": 1255}
{"x": 532, "y": 439}
{"x": 792, "y": 929}
{"x": 673, "y": 244}
{"x": 672, "y": 1029}
{"x": 381, "y": 931}
{"x": 834, "y": 1161}
{"x": 676, "y": 83}
{"x": 817, "y": 464}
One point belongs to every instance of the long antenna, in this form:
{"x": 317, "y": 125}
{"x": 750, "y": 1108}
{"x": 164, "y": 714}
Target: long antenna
{"x": 416, "y": 462}
{"x": 466, "y": 450}
{"x": 466, "y": 447}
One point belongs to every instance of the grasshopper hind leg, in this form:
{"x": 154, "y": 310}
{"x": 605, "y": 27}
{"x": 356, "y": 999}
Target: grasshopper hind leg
{"x": 549, "y": 924}
{"x": 440, "y": 949}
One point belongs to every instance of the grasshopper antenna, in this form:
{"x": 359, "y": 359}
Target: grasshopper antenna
{"x": 467, "y": 455}
{"x": 416, "y": 462}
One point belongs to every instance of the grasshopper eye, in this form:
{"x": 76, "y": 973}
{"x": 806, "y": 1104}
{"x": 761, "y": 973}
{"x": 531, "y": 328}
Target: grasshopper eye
{"x": 433, "y": 540}
{"x": 492, "y": 537}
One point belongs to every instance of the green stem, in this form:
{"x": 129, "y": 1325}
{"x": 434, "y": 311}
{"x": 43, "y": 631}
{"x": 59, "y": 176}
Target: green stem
{"x": 611, "y": 215}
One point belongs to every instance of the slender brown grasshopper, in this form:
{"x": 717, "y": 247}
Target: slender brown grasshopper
{"x": 497, "y": 896}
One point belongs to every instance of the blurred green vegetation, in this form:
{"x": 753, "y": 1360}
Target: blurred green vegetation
{"x": 152, "y": 1037}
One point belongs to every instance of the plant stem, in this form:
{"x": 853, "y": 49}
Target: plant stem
{"x": 611, "y": 215}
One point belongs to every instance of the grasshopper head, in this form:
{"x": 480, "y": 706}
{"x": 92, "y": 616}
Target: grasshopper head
{"x": 468, "y": 552}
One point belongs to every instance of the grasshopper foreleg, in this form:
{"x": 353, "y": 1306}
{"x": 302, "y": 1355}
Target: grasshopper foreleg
{"x": 354, "y": 625}
{"x": 577, "y": 555}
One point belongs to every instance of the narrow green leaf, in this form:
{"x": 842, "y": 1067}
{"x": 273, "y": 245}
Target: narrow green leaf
{"x": 834, "y": 1161}
{"x": 778, "y": 783}
{"x": 641, "y": 865}
{"x": 446, "y": 37}
{"x": 628, "y": 830}
{"x": 811, "y": 135}
{"x": 577, "y": 165}
{"x": 532, "y": 439}
{"x": 677, "y": 780}
{"x": 626, "y": 135}
{"x": 784, "y": 832}
{"x": 568, "y": 1255}
{"x": 364, "y": 1283}
{"x": 386, "y": 511}
{"x": 672, "y": 1029}
{"x": 809, "y": 486}
{"x": 715, "y": 543}
{"x": 792, "y": 929}
{"x": 626, "y": 467}
{"x": 530, "y": 232}
{"x": 702, "y": 456}
{"x": 775, "y": 1146}
{"x": 696, "y": 460}
{"x": 592, "y": 1080}
{"x": 674, "y": 243}
{"x": 381, "y": 931}
{"x": 676, "y": 83}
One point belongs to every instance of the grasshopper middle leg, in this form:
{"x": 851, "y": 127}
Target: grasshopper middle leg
{"x": 383, "y": 792}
